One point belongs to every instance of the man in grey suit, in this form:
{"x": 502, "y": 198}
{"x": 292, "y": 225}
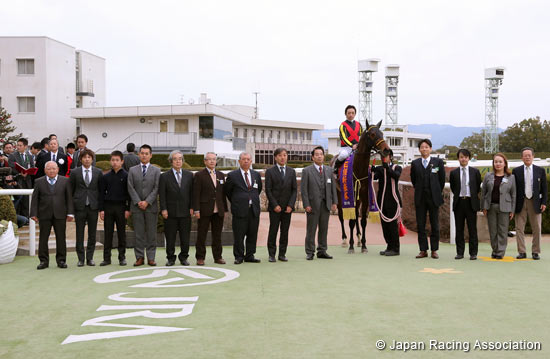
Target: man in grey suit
{"x": 143, "y": 186}
{"x": 130, "y": 159}
{"x": 52, "y": 205}
{"x": 175, "y": 191}
{"x": 319, "y": 198}
{"x": 85, "y": 186}
{"x": 25, "y": 160}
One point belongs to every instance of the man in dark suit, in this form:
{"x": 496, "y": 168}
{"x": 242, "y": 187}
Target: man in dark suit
{"x": 428, "y": 179}
{"x": 209, "y": 205}
{"x": 175, "y": 191}
{"x": 531, "y": 198}
{"x": 85, "y": 186}
{"x": 143, "y": 186}
{"x": 81, "y": 143}
{"x": 130, "y": 159}
{"x": 52, "y": 155}
{"x": 280, "y": 188}
{"x": 319, "y": 198}
{"x": 465, "y": 185}
{"x": 243, "y": 189}
{"x": 52, "y": 205}
{"x": 24, "y": 181}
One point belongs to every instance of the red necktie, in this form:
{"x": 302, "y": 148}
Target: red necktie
{"x": 321, "y": 171}
{"x": 247, "y": 181}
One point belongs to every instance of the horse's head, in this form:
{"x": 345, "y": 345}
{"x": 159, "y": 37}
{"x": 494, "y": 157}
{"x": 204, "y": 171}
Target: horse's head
{"x": 373, "y": 138}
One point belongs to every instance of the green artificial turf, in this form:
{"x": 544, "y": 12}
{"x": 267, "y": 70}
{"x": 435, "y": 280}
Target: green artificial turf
{"x": 300, "y": 309}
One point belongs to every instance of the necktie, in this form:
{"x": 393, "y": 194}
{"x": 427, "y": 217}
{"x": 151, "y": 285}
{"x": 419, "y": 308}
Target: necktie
{"x": 213, "y": 177}
{"x": 425, "y": 163}
{"x": 528, "y": 183}
{"x": 144, "y": 170}
{"x": 24, "y": 158}
{"x": 321, "y": 171}
{"x": 247, "y": 181}
{"x": 53, "y": 157}
{"x": 52, "y": 181}
{"x": 87, "y": 181}
{"x": 178, "y": 178}
{"x": 463, "y": 190}
{"x": 282, "y": 172}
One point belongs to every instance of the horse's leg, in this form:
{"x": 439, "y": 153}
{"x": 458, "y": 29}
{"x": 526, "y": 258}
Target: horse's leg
{"x": 341, "y": 218}
{"x": 357, "y": 221}
{"x": 364, "y": 216}
{"x": 352, "y": 223}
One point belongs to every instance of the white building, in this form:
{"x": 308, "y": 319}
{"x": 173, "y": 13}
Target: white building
{"x": 196, "y": 128}
{"x": 41, "y": 79}
{"x": 403, "y": 143}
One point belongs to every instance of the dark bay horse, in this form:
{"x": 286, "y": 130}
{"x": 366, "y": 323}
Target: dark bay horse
{"x": 371, "y": 141}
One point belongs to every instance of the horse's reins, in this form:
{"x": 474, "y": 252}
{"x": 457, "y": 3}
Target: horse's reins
{"x": 357, "y": 184}
{"x": 398, "y": 211}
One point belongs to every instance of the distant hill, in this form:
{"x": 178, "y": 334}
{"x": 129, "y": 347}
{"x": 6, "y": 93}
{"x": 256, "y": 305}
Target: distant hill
{"x": 441, "y": 134}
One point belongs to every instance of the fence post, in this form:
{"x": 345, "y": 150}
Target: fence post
{"x": 32, "y": 232}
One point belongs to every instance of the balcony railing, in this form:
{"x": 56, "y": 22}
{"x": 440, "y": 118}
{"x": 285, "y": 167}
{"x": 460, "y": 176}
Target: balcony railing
{"x": 157, "y": 140}
{"x": 281, "y": 141}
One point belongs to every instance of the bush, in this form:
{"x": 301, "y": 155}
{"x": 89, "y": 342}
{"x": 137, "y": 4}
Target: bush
{"x": 194, "y": 160}
{"x": 7, "y": 210}
{"x": 103, "y": 165}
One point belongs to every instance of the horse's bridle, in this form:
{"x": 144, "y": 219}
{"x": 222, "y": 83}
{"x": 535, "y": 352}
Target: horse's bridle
{"x": 377, "y": 144}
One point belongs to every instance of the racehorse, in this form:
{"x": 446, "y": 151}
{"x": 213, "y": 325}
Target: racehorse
{"x": 371, "y": 141}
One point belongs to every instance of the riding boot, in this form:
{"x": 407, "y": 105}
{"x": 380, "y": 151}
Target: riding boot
{"x": 337, "y": 165}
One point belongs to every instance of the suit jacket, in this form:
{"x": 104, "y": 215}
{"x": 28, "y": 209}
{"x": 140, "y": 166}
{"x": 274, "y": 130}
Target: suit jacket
{"x": 143, "y": 188}
{"x": 76, "y": 160}
{"x": 81, "y": 191}
{"x": 48, "y": 205}
{"x": 507, "y": 190}
{"x": 391, "y": 172}
{"x": 311, "y": 197}
{"x": 280, "y": 191}
{"x": 475, "y": 185}
{"x": 436, "y": 179}
{"x": 174, "y": 198}
{"x": 130, "y": 160}
{"x": 205, "y": 194}
{"x": 60, "y": 159}
{"x": 540, "y": 191}
{"x": 16, "y": 157}
{"x": 238, "y": 193}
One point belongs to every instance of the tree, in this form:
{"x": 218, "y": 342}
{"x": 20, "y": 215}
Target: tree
{"x": 452, "y": 150}
{"x": 530, "y": 132}
{"x": 6, "y": 128}
{"x": 474, "y": 143}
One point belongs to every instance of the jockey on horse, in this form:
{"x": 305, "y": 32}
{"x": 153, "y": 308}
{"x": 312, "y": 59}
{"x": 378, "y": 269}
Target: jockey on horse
{"x": 350, "y": 133}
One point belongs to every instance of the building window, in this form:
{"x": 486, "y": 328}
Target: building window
{"x": 245, "y": 134}
{"x": 25, "y": 104}
{"x": 309, "y": 136}
{"x": 295, "y": 135}
{"x": 25, "y": 67}
{"x": 254, "y": 135}
{"x": 262, "y": 135}
{"x": 288, "y": 135}
{"x": 236, "y": 132}
{"x": 181, "y": 126}
{"x": 394, "y": 141}
{"x": 206, "y": 126}
{"x": 164, "y": 126}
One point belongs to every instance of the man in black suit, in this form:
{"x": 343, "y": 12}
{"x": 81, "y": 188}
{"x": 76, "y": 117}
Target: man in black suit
{"x": 175, "y": 191}
{"x": 465, "y": 184}
{"x": 209, "y": 205}
{"x": 130, "y": 159}
{"x": 531, "y": 198}
{"x": 85, "y": 186}
{"x": 52, "y": 205}
{"x": 24, "y": 181}
{"x": 243, "y": 189}
{"x": 81, "y": 143}
{"x": 280, "y": 188}
{"x": 428, "y": 179}
{"x": 54, "y": 155}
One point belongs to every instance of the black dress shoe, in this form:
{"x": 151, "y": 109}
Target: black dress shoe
{"x": 391, "y": 253}
{"x": 493, "y": 255}
{"x": 324, "y": 255}
{"x": 91, "y": 263}
{"x": 272, "y": 259}
{"x": 122, "y": 262}
{"x": 253, "y": 260}
{"x": 104, "y": 263}
{"x": 170, "y": 263}
{"x": 521, "y": 256}
{"x": 473, "y": 257}
{"x": 238, "y": 261}
{"x": 498, "y": 257}
{"x": 62, "y": 265}
{"x": 42, "y": 265}
{"x": 459, "y": 256}
{"x": 382, "y": 253}
{"x": 283, "y": 259}
{"x": 309, "y": 257}
{"x": 536, "y": 256}
{"x": 184, "y": 262}
{"x": 80, "y": 264}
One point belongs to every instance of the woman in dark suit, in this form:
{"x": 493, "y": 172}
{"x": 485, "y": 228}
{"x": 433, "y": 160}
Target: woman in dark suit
{"x": 498, "y": 200}
{"x": 388, "y": 175}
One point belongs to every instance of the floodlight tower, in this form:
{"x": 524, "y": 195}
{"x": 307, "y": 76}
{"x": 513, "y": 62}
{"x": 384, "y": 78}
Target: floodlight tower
{"x": 493, "y": 80}
{"x": 392, "y": 79}
{"x": 365, "y": 69}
